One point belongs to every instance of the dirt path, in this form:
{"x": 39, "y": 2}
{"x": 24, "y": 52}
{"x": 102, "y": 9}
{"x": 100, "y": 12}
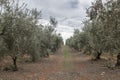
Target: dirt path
{"x": 65, "y": 65}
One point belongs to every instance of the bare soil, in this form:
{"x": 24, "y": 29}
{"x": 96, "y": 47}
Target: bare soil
{"x": 66, "y": 64}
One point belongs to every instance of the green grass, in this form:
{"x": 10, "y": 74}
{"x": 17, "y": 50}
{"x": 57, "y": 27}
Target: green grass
{"x": 66, "y": 53}
{"x": 67, "y": 64}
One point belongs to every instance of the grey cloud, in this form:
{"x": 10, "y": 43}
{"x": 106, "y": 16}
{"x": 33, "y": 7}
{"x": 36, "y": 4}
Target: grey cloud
{"x": 69, "y": 13}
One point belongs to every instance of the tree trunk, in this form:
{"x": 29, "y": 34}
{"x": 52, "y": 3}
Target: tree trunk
{"x": 84, "y": 51}
{"x": 34, "y": 57}
{"x": 98, "y": 55}
{"x": 15, "y": 68}
{"x": 118, "y": 60}
{"x": 47, "y": 54}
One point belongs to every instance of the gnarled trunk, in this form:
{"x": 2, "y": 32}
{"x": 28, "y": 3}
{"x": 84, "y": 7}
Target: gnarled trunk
{"x": 98, "y": 55}
{"x": 15, "y": 68}
{"x": 118, "y": 60}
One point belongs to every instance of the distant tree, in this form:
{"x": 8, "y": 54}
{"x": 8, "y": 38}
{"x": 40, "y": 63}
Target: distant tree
{"x": 57, "y": 42}
{"x": 53, "y": 21}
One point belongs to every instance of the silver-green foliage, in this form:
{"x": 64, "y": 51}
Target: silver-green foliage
{"x": 20, "y": 33}
{"x": 101, "y": 32}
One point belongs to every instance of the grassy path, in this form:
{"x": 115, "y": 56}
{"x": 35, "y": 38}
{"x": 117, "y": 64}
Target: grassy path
{"x": 66, "y": 64}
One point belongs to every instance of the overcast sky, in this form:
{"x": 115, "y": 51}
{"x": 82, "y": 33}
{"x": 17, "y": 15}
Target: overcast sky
{"x": 69, "y": 13}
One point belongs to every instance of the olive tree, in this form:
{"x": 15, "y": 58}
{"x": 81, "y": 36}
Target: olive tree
{"x": 105, "y": 21}
{"x": 111, "y": 28}
{"x": 57, "y": 42}
{"x": 20, "y": 33}
{"x": 18, "y": 24}
{"x": 100, "y": 33}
